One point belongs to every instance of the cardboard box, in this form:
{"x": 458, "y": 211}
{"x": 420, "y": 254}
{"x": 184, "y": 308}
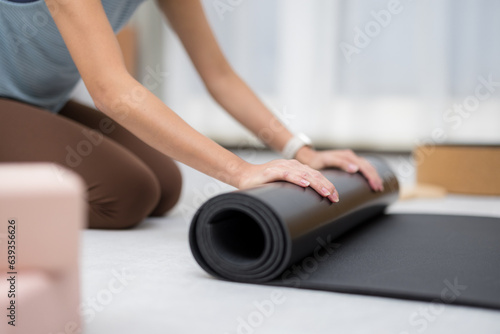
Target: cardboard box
{"x": 465, "y": 169}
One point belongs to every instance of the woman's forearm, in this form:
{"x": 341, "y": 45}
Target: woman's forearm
{"x": 189, "y": 22}
{"x": 233, "y": 94}
{"x": 146, "y": 116}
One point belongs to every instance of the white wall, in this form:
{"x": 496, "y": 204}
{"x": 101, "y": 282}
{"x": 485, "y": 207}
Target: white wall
{"x": 394, "y": 91}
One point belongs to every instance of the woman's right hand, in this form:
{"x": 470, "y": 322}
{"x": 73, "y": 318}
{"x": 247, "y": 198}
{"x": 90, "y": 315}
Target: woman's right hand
{"x": 287, "y": 170}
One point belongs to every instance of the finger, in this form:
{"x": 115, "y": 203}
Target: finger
{"x": 298, "y": 179}
{"x": 368, "y": 171}
{"x": 315, "y": 180}
{"x": 301, "y": 175}
{"x": 372, "y": 175}
{"x": 323, "y": 186}
{"x": 288, "y": 173}
{"x": 342, "y": 163}
{"x": 353, "y": 159}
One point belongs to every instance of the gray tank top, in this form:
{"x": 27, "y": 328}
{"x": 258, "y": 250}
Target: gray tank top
{"x": 35, "y": 65}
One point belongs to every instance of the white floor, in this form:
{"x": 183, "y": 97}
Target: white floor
{"x": 146, "y": 281}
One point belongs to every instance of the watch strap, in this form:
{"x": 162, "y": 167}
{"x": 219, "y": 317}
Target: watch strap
{"x": 294, "y": 145}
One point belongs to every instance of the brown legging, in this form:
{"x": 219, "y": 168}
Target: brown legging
{"x": 127, "y": 180}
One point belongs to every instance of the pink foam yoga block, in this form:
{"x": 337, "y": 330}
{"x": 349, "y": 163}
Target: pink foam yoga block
{"x": 42, "y": 210}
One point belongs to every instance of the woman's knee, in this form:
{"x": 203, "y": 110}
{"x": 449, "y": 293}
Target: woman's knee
{"x": 125, "y": 199}
{"x": 170, "y": 188}
{"x": 165, "y": 169}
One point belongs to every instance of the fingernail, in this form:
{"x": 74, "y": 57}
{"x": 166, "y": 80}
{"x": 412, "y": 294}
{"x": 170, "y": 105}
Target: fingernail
{"x": 305, "y": 183}
{"x": 325, "y": 191}
{"x": 334, "y": 197}
{"x": 352, "y": 168}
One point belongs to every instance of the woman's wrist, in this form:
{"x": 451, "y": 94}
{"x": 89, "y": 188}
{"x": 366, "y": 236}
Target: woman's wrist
{"x": 235, "y": 172}
{"x": 305, "y": 154}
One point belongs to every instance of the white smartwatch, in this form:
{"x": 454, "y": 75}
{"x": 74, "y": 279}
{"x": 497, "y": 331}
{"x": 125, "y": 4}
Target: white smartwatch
{"x": 295, "y": 144}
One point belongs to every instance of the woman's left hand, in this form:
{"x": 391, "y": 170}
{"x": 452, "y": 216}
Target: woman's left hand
{"x": 346, "y": 160}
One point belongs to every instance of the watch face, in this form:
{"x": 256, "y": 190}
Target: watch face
{"x": 305, "y": 139}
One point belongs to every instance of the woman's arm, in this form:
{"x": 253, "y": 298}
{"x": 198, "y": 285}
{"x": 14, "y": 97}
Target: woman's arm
{"x": 226, "y": 87}
{"x": 92, "y": 44}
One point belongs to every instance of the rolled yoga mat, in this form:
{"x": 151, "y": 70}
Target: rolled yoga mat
{"x": 285, "y": 235}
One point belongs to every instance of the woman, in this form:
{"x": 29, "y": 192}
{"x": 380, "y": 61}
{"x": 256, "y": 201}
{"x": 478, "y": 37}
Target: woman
{"x": 124, "y": 149}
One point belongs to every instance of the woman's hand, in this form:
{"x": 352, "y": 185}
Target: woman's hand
{"x": 346, "y": 160}
{"x": 287, "y": 170}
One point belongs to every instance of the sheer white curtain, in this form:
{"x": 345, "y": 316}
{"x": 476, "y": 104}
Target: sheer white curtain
{"x": 380, "y": 74}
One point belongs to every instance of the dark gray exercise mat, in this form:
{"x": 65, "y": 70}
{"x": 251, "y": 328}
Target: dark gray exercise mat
{"x": 282, "y": 234}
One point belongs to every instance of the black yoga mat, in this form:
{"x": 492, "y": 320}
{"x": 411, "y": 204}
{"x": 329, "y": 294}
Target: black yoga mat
{"x": 282, "y": 234}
